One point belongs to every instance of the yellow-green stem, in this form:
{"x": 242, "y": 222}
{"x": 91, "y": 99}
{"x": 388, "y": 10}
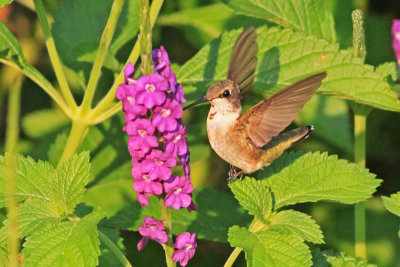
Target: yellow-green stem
{"x": 359, "y": 209}
{"x": 12, "y": 134}
{"x": 43, "y": 83}
{"x": 167, "y": 220}
{"x": 114, "y": 249}
{"x": 54, "y": 58}
{"x": 107, "y": 101}
{"x": 105, "y": 42}
{"x": 232, "y": 258}
{"x": 78, "y": 131}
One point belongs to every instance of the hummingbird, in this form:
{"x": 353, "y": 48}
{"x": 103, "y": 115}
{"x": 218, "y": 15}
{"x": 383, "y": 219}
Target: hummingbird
{"x": 252, "y": 139}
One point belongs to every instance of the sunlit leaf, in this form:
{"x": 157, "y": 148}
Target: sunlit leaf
{"x": 42, "y": 122}
{"x": 295, "y": 178}
{"x": 254, "y": 196}
{"x": 309, "y": 16}
{"x": 270, "y": 248}
{"x": 392, "y": 203}
{"x": 329, "y": 258}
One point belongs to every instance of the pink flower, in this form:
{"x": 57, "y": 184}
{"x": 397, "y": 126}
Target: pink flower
{"x": 148, "y": 186}
{"x": 161, "y": 61}
{"x": 185, "y": 162}
{"x": 141, "y": 132}
{"x": 151, "y": 90}
{"x": 158, "y": 165}
{"x": 396, "y": 38}
{"x": 152, "y": 229}
{"x": 186, "y": 248}
{"x": 142, "y": 199}
{"x": 178, "y": 192}
{"x": 129, "y": 71}
{"x": 165, "y": 117}
{"x": 176, "y": 142}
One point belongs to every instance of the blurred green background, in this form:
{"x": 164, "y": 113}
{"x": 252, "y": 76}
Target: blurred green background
{"x": 184, "y": 26}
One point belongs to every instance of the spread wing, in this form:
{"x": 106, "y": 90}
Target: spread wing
{"x": 269, "y": 117}
{"x": 244, "y": 59}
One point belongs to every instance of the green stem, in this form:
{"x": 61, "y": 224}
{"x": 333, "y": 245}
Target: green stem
{"x": 145, "y": 37}
{"x": 31, "y": 72}
{"x": 232, "y": 258}
{"x": 107, "y": 101}
{"x": 54, "y": 58}
{"x": 11, "y": 150}
{"x": 76, "y": 135}
{"x": 360, "y": 119}
{"x": 115, "y": 108}
{"x": 105, "y": 42}
{"x": 114, "y": 249}
{"x": 167, "y": 220}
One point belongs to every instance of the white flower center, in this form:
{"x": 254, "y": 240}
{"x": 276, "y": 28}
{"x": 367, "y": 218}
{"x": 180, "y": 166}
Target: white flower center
{"x": 146, "y": 177}
{"x": 177, "y": 190}
{"x": 188, "y": 246}
{"x": 165, "y": 112}
{"x": 150, "y": 87}
{"x": 397, "y": 36}
{"x": 142, "y": 133}
{"x": 131, "y": 100}
{"x": 159, "y": 162}
{"x": 177, "y": 138}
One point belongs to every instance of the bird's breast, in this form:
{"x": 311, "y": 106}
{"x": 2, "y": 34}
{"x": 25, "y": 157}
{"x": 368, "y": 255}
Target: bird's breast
{"x": 227, "y": 143}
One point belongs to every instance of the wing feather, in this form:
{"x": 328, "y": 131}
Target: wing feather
{"x": 243, "y": 60}
{"x": 269, "y": 117}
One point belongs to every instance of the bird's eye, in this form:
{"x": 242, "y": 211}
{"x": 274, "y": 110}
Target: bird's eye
{"x": 226, "y": 93}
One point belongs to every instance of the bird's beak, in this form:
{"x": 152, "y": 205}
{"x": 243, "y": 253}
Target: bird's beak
{"x": 201, "y": 100}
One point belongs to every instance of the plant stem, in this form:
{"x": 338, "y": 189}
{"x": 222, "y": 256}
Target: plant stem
{"x": 114, "y": 249}
{"x": 54, "y": 58}
{"x": 360, "y": 119}
{"x": 76, "y": 135}
{"x": 145, "y": 37}
{"x": 30, "y": 72}
{"x": 105, "y": 42}
{"x": 12, "y": 134}
{"x": 107, "y": 101}
{"x": 232, "y": 258}
{"x": 167, "y": 220}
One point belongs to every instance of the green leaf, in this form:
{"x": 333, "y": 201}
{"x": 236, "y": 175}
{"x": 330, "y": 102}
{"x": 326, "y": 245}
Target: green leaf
{"x": 254, "y": 196}
{"x": 56, "y": 149}
{"x": 69, "y": 243}
{"x": 32, "y": 180}
{"x": 329, "y": 258}
{"x": 330, "y": 116}
{"x": 314, "y": 176}
{"x": 392, "y": 203}
{"x": 108, "y": 258}
{"x": 278, "y": 67}
{"x": 210, "y": 221}
{"x": 70, "y": 180}
{"x": 297, "y": 223}
{"x": 77, "y": 44}
{"x": 309, "y": 16}
{"x": 270, "y": 248}
{"x": 40, "y": 123}
{"x": 11, "y": 53}
{"x": 5, "y": 2}
{"x": 205, "y": 22}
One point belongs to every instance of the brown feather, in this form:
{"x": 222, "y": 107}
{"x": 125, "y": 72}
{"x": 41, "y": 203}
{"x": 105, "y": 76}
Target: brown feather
{"x": 244, "y": 59}
{"x": 269, "y": 117}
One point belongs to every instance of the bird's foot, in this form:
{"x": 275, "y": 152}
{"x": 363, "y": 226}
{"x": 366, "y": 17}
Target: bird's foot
{"x": 234, "y": 173}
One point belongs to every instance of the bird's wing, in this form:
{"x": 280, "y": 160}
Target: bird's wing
{"x": 269, "y": 117}
{"x": 243, "y": 61}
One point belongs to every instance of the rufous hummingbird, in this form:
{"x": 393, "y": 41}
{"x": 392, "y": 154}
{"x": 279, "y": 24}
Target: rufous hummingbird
{"x": 251, "y": 140}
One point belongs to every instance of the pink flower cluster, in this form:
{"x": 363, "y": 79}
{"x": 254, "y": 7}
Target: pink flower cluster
{"x": 157, "y": 142}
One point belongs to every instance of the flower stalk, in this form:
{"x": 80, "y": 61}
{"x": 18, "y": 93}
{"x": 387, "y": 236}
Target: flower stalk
{"x": 360, "y": 119}
{"x": 12, "y": 134}
{"x": 54, "y": 58}
{"x": 168, "y": 246}
{"x": 105, "y": 42}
